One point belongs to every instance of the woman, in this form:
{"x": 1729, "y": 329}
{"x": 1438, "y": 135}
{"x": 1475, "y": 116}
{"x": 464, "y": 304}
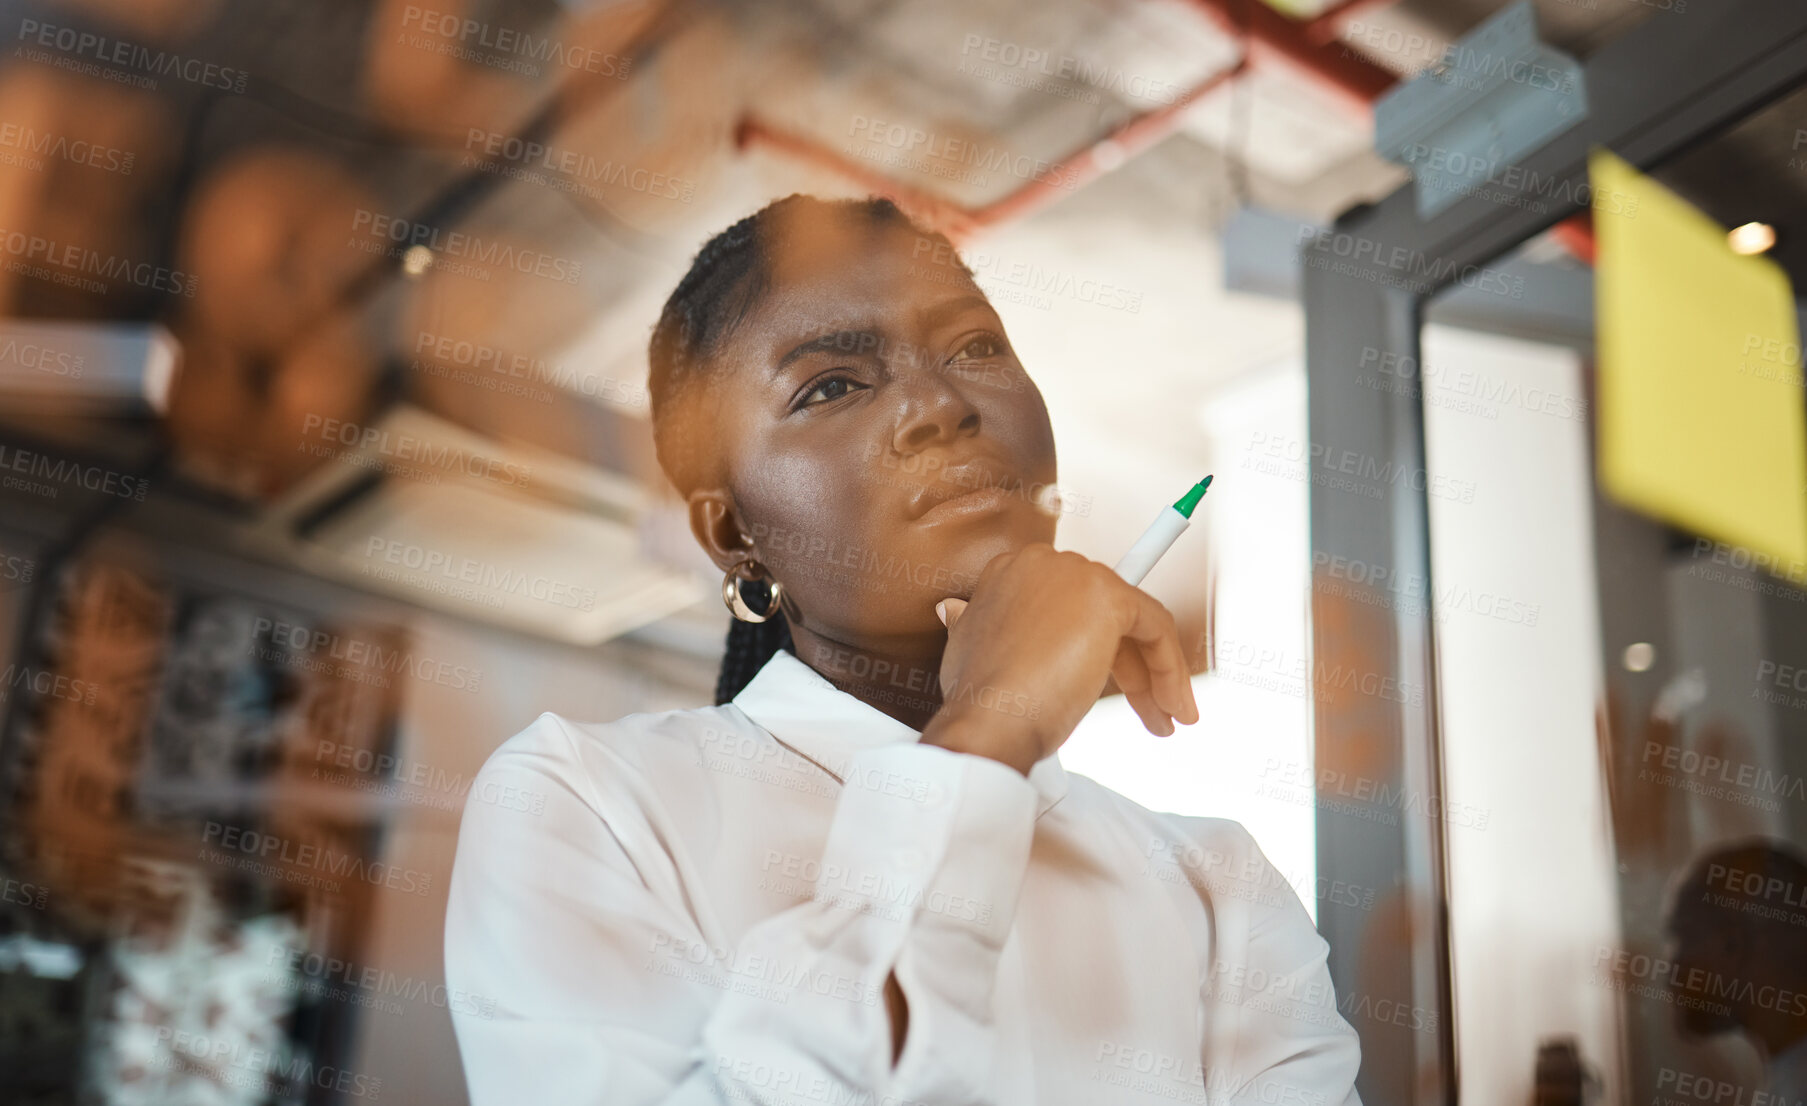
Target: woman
{"x": 863, "y": 876}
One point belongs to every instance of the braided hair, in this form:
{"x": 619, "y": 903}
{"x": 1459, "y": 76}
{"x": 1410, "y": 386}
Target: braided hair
{"x": 728, "y": 278}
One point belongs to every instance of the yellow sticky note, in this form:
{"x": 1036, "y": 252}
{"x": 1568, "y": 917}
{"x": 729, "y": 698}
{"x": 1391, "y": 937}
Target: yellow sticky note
{"x": 1702, "y": 421}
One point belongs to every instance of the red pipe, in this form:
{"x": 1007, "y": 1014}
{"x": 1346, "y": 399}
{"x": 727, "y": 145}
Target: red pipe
{"x": 1264, "y": 34}
{"x": 1576, "y": 233}
{"x": 1124, "y": 141}
{"x": 941, "y": 214}
{"x": 1306, "y": 48}
{"x": 1310, "y": 48}
{"x": 1071, "y": 173}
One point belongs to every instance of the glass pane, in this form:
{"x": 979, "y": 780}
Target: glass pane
{"x": 1617, "y": 697}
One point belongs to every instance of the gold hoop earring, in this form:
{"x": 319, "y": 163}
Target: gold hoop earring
{"x": 737, "y": 604}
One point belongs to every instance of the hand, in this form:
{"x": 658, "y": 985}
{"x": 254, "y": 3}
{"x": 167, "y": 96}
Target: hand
{"x": 1028, "y": 655}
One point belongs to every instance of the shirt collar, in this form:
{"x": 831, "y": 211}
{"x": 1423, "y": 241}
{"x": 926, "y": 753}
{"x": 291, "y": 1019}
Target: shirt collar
{"x": 797, "y": 704}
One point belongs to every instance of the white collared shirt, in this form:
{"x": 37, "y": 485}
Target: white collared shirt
{"x": 675, "y": 908}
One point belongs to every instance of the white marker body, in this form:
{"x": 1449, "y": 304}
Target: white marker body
{"x": 1166, "y": 528}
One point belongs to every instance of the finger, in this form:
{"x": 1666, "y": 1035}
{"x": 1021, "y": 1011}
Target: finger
{"x": 1131, "y": 675}
{"x": 950, "y": 610}
{"x": 1157, "y": 721}
{"x": 1160, "y": 670}
{"x": 1154, "y": 719}
{"x": 1158, "y": 639}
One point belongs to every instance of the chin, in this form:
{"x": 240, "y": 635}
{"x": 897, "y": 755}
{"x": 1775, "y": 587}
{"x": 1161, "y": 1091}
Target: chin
{"x": 970, "y": 557}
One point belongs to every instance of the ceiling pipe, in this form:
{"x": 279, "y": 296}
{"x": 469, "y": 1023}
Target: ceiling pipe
{"x": 1076, "y": 170}
{"x": 1124, "y": 141}
{"x": 1312, "y": 49}
{"x": 1309, "y": 49}
{"x": 1266, "y": 36}
{"x": 1576, "y": 234}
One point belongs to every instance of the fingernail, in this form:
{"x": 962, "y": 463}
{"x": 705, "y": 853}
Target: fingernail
{"x": 941, "y": 611}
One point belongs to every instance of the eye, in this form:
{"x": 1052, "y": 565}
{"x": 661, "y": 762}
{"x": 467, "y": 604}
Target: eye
{"x": 831, "y": 387}
{"x": 980, "y": 347}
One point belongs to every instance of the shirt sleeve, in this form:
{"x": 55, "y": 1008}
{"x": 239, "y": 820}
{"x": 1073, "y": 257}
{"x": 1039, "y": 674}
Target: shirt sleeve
{"x": 592, "y": 983}
{"x": 1280, "y": 1036}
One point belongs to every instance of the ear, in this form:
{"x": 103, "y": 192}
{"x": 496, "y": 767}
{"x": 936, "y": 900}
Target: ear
{"x": 717, "y": 526}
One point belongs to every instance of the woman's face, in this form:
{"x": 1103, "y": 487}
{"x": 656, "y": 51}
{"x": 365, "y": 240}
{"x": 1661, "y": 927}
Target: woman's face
{"x": 882, "y": 442}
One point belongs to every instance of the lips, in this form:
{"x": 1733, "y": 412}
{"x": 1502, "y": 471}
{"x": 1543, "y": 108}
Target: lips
{"x": 954, "y": 481}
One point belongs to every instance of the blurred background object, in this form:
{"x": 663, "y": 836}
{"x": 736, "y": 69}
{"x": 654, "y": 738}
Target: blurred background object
{"x": 326, "y": 465}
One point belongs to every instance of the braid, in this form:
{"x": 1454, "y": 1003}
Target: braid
{"x": 750, "y": 646}
{"x": 729, "y": 276}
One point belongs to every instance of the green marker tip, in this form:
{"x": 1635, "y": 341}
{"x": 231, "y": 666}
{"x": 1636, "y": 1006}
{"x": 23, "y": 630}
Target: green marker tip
{"x": 1191, "y": 498}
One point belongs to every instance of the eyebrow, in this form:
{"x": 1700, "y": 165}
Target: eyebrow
{"x": 868, "y": 338}
{"x": 932, "y": 317}
{"x": 843, "y": 340}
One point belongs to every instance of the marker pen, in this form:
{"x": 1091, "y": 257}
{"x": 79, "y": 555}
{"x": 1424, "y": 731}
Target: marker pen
{"x": 1167, "y": 526}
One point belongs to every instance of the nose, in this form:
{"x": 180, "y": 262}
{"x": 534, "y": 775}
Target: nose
{"x": 935, "y": 412}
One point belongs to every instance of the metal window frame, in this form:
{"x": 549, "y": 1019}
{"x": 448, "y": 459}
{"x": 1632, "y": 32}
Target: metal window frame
{"x": 1670, "y": 82}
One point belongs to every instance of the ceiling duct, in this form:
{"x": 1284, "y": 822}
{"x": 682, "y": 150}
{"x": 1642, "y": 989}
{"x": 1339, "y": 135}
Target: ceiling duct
{"x": 432, "y": 514}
